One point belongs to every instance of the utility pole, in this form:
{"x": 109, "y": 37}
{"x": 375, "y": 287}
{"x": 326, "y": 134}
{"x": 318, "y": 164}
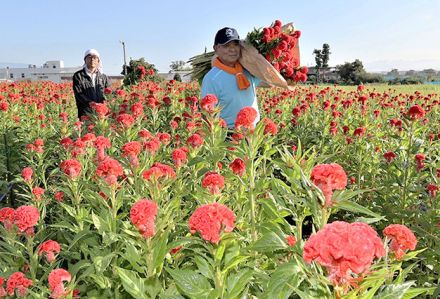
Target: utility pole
{"x": 125, "y": 60}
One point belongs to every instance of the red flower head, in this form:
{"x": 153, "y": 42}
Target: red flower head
{"x": 132, "y": 150}
{"x": 109, "y": 169}
{"x": 142, "y": 215}
{"x": 246, "y": 118}
{"x": 125, "y": 120}
{"x": 238, "y": 167}
{"x": 214, "y": 182}
{"x": 56, "y": 286}
{"x": 7, "y": 217}
{"x": 2, "y": 289}
{"x": 51, "y": 248}
{"x": 18, "y": 281}
{"x": 329, "y": 177}
{"x": 26, "y": 217}
{"x": 38, "y": 192}
{"x": 59, "y": 196}
{"x": 102, "y": 142}
{"x": 270, "y": 128}
{"x": 419, "y": 161}
{"x": 26, "y": 173}
{"x": 101, "y": 109}
{"x": 432, "y": 189}
{"x": 389, "y": 156}
{"x": 157, "y": 171}
{"x": 165, "y": 138}
{"x": 359, "y": 131}
{"x": 137, "y": 109}
{"x": 179, "y": 156}
{"x": 208, "y": 103}
{"x": 152, "y": 146}
{"x": 344, "y": 249}
{"x": 210, "y": 219}
{"x": 402, "y": 238}
{"x": 71, "y": 168}
{"x": 416, "y": 112}
{"x": 195, "y": 140}
{"x": 291, "y": 241}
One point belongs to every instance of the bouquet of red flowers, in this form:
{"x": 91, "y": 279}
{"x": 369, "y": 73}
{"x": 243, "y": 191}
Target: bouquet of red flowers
{"x": 279, "y": 45}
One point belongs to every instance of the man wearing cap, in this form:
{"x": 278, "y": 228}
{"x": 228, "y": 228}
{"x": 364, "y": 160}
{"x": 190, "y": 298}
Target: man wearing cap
{"x": 89, "y": 82}
{"x": 233, "y": 85}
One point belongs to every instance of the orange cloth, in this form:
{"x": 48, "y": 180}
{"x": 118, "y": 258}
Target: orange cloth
{"x": 237, "y": 70}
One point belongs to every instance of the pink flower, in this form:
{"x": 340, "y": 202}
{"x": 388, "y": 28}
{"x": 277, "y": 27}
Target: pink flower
{"x": 109, "y": 169}
{"x": 214, "y": 182}
{"x": 208, "y": 103}
{"x": 7, "y": 217}
{"x": 402, "y": 239}
{"x": 142, "y": 215}
{"x": 238, "y": 167}
{"x": 291, "y": 241}
{"x": 329, "y": 177}
{"x": 38, "y": 192}
{"x": 49, "y": 247}
{"x": 26, "y": 173}
{"x": 245, "y": 118}
{"x": 56, "y": 279}
{"x": 26, "y": 217}
{"x": 210, "y": 219}
{"x": 18, "y": 282}
{"x": 71, "y": 167}
{"x": 344, "y": 249}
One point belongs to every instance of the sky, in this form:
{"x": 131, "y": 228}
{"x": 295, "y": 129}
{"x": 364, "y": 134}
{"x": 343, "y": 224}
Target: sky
{"x": 383, "y": 34}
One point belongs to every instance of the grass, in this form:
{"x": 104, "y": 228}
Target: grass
{"x": 408, "y": 89}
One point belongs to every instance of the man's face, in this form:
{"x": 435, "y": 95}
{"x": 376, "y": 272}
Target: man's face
{"x": 92, "y": 62}
{"x": 228, "y": 53}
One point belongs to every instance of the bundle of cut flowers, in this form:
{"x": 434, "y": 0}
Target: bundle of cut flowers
{"x": 279, "y": 45}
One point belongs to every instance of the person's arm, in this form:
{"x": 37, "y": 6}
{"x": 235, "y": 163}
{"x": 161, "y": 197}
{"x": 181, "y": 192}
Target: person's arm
{"x": 78, "y": 91}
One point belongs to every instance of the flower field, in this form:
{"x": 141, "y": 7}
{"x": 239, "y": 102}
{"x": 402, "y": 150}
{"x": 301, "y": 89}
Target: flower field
{"x": 335, "y": 194}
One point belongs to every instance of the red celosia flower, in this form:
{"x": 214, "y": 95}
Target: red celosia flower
{"x": 389, "y": 156}
{"x": 125, "y": 120}
{"x": 142, "y": 215}
{"x": 101, "y": 109}
{"x": 208, "y": 103}
{"x": 145, "y": 134}
{"x": 132, "y": 150}
{"x": 209, "y": 220}
{"x": 26, "y": 173}
{"x": 109, "y": 169}
{"x": 38, "y": 192}
{"x": 137, "y": 109}
{"x": 291, "y": 241}
{"x": 88, "y": 138}
{"x": 179, "y": 156}
{"x": 59, "y": 196}
{"x": 195, "y": 140}
{"x": 432, "y": 189}
{"x": 18, "y": 282}
{"x": 329, "y": 177}
{"x": 245, "y": 118}
{"x": 214, "y": 182}
{"x": 26, "y": 217}
{"x": 402, "y": 238}
{"x": 416, "y": 112}
{"x": 359, "y": 131}
{"x": 71, "y": 167}
{"x": 51, "y": 248}
{"x": 157, "y": 171}
{"x": 66, "y": 142}
{"x": 238, "y": 167}
{"x": 2, "y": 289}
{"x": 152, "y": 146}
{"x": 270, "y": 128}
{"x": 419, "y": 161}
{"x": 344, "y": 249}
{"x": 7, "y": 217}
{"x": 56, "y": 279}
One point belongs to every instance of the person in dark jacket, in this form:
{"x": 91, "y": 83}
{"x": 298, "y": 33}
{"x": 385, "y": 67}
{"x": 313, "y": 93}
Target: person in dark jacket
{"x": 89, "y": 83}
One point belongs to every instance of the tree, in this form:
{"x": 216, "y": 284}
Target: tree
{"x": 177, "y": 77}
{"x": 140, "y": 70}
{"x": 322, "y": 58}
{"x": 352, "y": 72}
{"x": 177, "y": 65}
{"x": 394, "y": 73}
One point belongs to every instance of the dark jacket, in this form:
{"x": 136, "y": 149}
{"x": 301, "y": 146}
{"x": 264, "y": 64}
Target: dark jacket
{"x": 86, "y": 93}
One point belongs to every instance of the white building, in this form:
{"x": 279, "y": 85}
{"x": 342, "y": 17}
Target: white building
{"x": 50, "y": 71}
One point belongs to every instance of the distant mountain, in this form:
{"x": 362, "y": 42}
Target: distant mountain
{"x": 13, "y": 65}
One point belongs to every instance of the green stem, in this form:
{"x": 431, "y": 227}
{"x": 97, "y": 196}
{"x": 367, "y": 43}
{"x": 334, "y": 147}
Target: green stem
{"x": 252, "y": 190}
{"x": 406, "y": 167}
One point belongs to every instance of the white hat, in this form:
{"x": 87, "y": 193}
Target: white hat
{"x": 91, "y": 52}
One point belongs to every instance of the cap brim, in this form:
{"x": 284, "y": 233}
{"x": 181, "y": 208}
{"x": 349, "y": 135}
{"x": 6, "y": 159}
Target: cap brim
{"x": 231, "y": 40}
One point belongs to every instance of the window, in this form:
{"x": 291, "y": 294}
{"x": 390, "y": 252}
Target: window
{"x": 54, "y": 66}
{"x": 11, "y": 75}
{"x": 22, "y": 75}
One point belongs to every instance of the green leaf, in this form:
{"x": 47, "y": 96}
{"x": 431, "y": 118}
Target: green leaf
{"x": 160, "y": 250}
{"x": 132, "y": 283}
{"x": 356, "y": 208}
{"x": 269, "y": 242}
{"x": 204, "y": 267}
{"x": 394, "y": 291}
{"x": 285, "y": 279}
{"x": 412, "y": 293}
{"x": 237, "y": 282}
{"x": 102, "y": 262}
{"x": 191, "y": 283}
